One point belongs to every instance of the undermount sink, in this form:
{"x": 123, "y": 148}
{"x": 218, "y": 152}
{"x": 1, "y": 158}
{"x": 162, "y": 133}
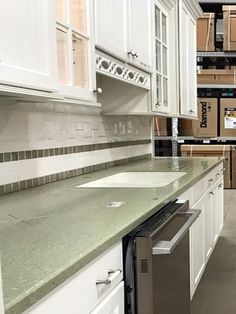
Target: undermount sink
{"x": 135, "y": 180}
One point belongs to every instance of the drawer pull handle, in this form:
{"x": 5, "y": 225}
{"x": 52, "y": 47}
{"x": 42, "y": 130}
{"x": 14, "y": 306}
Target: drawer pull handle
{"x": 105, "y": 282}
{"x": 220, "y": 185}
{"x": 112, "y": 275}
{"x": 212, "y": 193}
{"x": 210, "y": 180}
{"x": 113, "y": 271}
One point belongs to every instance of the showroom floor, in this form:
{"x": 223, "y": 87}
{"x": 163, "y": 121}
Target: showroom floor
{"x": 216, "y": 293}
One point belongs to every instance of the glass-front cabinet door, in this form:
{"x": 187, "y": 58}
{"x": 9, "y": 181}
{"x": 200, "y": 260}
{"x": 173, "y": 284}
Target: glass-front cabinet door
{"x": 161, "y": 57}
{"x": 75, "y": 48}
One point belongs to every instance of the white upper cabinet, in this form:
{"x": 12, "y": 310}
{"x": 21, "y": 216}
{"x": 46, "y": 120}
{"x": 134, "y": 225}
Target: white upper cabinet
{"x": 75, "y": 48}
{"x": 165, "y": 57}
{"x": 189, "y": 11}
{"x": 27, "y": 46}
{"x": 123, "y": 29}
{"x": 110, "y": 26}
{"x": 139, "y": 33}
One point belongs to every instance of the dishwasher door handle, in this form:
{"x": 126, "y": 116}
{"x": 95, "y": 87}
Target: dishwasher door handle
{"x": 166, "y": 247}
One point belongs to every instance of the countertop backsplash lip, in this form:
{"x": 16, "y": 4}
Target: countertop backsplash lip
{"x": 67, "y": 209}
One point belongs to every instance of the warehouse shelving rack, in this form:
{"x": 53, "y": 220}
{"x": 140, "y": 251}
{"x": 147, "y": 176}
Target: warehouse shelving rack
{"x": 171, "y": 144}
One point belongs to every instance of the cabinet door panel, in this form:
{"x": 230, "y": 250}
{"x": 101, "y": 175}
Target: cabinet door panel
{"x": 110, "y": 30}
{"x": 188, "y": 81}
{"x": 28, "y": 44}
{"x": 208, "y": 225}
{"x": 139, "y": 32}
{"x": 197, "y": 249}
{"x": 192, "y": 67}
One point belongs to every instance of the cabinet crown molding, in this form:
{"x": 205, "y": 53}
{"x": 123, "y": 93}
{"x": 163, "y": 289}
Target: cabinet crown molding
{"x": 193, "y": 7}
{"x": 169, "y": 3}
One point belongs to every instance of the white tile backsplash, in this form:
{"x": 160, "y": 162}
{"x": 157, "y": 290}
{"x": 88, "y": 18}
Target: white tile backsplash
{"x": 32, "y": 126}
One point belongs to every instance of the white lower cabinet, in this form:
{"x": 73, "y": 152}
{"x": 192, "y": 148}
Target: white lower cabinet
{"x": 197, "y": 246}
{"x": 113, "y": 303}
{"x": 83, "y": 292}
{"x": 205, "y": 231}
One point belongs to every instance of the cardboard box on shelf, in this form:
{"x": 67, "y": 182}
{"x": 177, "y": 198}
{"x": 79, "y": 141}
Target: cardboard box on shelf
{"x": 228, "y": 117}
{"x": 229, "y": 16}
{"x": 206, "y": 32}
{"x": 212, "y": 151}
{"x": 161, "y": 126}
{"x": 206, "y": 125}
{"x": 185, "y": 127}
{"x": 213, "y": 76}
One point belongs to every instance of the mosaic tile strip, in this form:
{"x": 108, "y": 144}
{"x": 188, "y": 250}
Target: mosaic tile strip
{"x": 48, "y": 152}
{"x": 34, "y": 182}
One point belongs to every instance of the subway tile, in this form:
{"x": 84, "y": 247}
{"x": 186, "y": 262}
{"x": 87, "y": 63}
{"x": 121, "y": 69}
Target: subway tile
{"x": 46, "y": 152}
{"x": 1, "y": 189}
{"x": 7, "y": 157}
{"x": 29, "y": 183}
{"x": 14, "y": 156}
{"x": 8, "y": 188}
{"x": 35, "y": 182}
{"x": 34, "y": 154}
{"x": 23, "y": 185}
{"x": 57, "y": 152}
{"x": 28, "y": 154}
{"x": 51, "y": 152}
{"x": 15, "y": 186}
{"x": 40, "y": 153}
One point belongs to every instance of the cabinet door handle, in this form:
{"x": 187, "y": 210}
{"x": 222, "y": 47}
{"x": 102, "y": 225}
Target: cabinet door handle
{"x": 131, "y": 52}
{"x": 212, "y": 193}
{"x": 112, "y": 275}
{"x": 191, "y": 111}
{"x": 220, "y": 185}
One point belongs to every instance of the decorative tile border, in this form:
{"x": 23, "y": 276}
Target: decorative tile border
{"x": 34, "y": 182}
{"x": 49, "y": 152}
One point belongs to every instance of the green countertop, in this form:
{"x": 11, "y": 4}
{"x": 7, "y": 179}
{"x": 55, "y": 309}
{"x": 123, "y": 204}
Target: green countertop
{"x": 50, "y": 232}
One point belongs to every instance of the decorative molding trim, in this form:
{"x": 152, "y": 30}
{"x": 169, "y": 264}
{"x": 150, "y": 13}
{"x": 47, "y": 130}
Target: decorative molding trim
{"x": 111, "y": 67}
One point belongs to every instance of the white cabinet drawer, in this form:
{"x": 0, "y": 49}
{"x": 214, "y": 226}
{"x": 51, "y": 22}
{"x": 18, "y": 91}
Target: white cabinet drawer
{"x": 80, "y": 293}
{"x": 113, "y": 303}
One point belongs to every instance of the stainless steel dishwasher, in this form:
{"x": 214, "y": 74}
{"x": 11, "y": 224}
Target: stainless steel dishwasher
{"x": 156, "y": 262}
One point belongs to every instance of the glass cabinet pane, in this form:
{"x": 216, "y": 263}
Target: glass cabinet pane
{"x": 60, "y": 6}
{"x": 158, "y": 56}
{"x": 62, "y": 56}
{"x": 164, "y": 58}
{"x": 165, "y": 92}
{"x": 157, "y": 22}
{"x": 159, "y": 89}
{"x": 78, "y": 15}
{"x": 164, "y": 29}
{"x": 80, "y": 61}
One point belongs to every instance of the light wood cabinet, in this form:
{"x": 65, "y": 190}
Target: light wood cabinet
{"x": 28, "y": 44}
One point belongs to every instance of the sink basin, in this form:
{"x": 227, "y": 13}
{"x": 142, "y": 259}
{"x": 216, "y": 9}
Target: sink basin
{"x": 135, "y": 180}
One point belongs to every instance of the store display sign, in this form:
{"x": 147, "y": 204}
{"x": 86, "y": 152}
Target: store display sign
{"x": 230, "y": 118}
